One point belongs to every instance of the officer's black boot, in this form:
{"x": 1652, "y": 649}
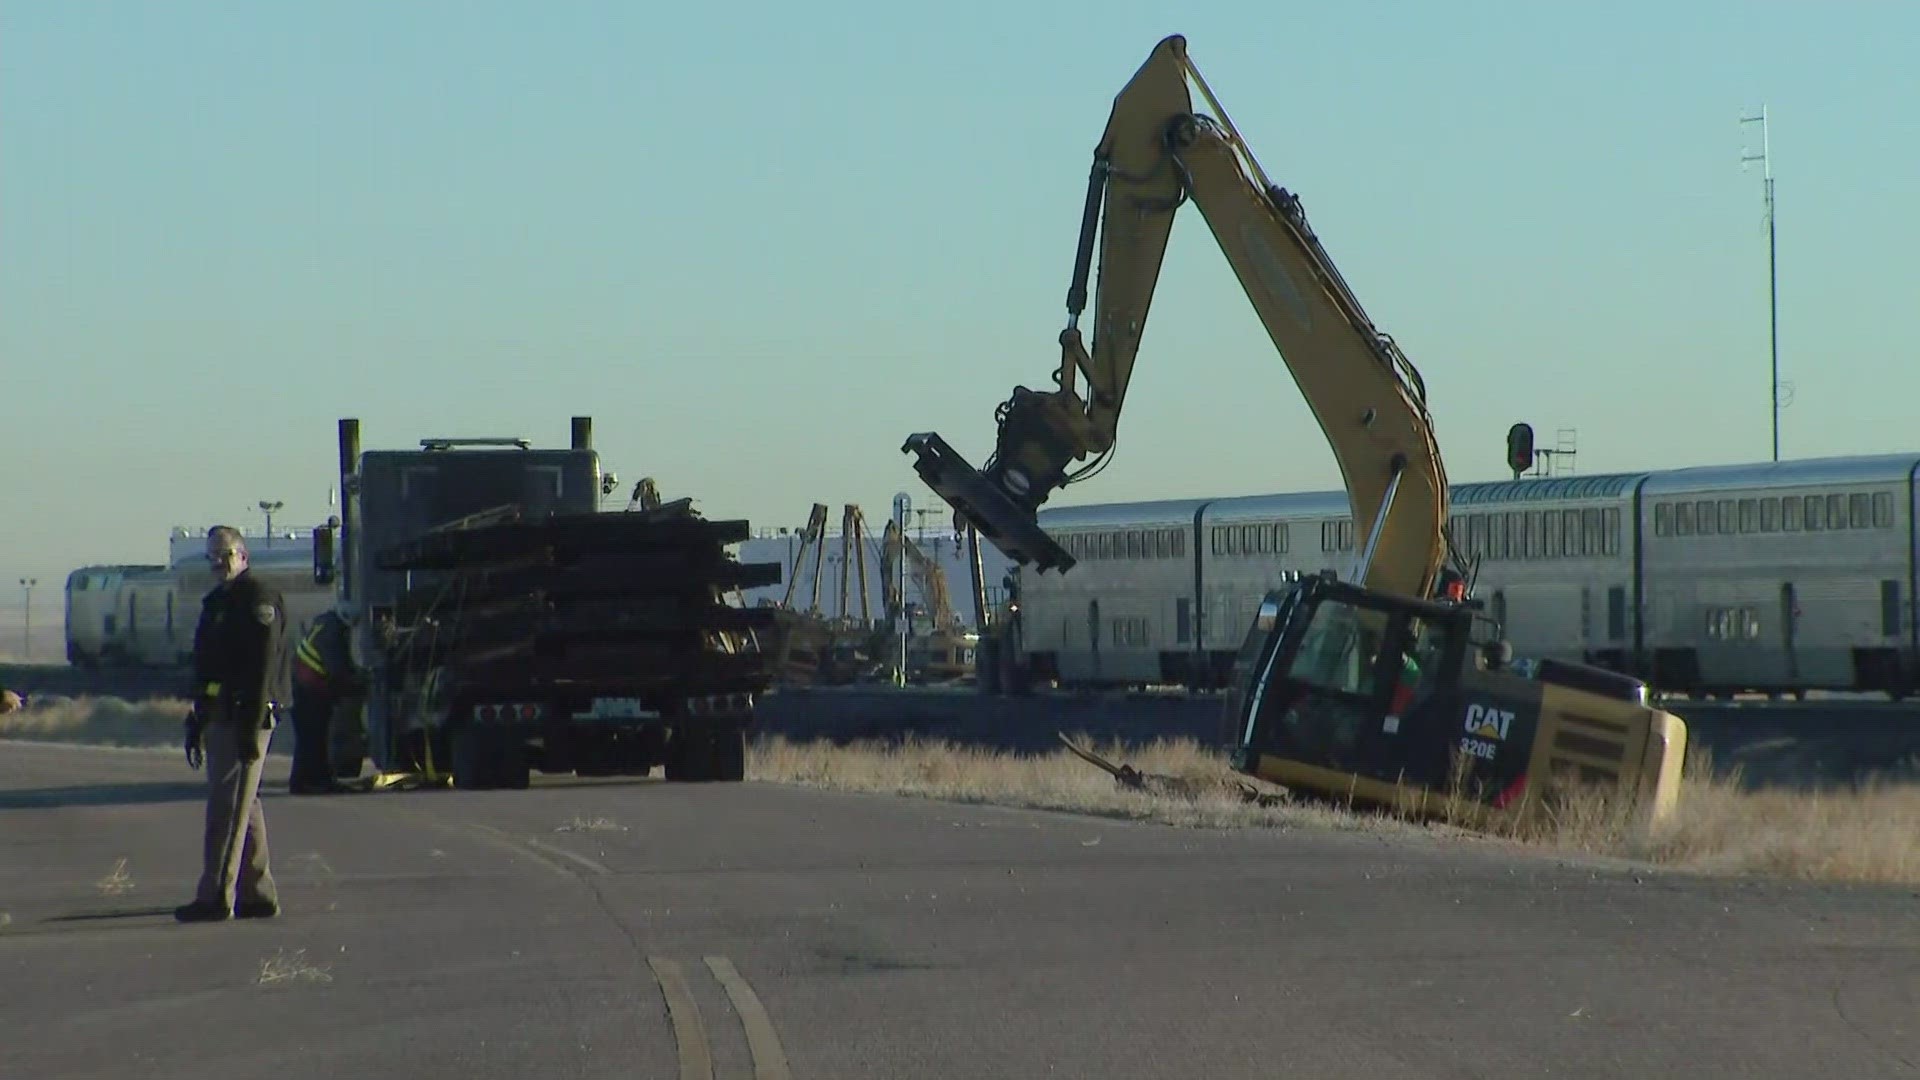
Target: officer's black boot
{"x": 199, "y": 911}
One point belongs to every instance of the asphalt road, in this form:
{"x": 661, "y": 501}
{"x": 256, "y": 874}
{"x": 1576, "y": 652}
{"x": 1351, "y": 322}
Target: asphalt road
{"x": 639, "y": 929}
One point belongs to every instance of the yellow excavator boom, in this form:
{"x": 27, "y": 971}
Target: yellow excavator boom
{"x": 1156, "y": 154}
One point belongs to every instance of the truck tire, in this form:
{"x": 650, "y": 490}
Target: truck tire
{"x": 484, "y": 759}
{"x": 472, "y": 763}
{"x": 689, "y": 756}
{"x": 729, "y": 755}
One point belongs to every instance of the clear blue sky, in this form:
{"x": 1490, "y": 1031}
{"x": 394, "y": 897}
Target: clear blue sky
{"x": 760, "y": 244}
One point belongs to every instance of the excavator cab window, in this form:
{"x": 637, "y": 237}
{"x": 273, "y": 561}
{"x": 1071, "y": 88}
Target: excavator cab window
{"x": 1355, "y": 682}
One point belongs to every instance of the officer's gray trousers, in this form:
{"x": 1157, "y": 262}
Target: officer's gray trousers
{"x": 235, "y": 856}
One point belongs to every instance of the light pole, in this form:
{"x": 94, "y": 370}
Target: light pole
{"x": 26, "y": 626}
{"x": 270, "y": 507}
{"x": 1773, "y": 290}
{"x": 902, "y": 506}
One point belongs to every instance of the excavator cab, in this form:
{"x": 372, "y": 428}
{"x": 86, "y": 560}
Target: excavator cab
{"x": 1337, "y": 681}
{"x": 1344, "y": 692}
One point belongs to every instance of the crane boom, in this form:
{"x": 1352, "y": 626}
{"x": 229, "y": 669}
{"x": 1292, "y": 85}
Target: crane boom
{"x": 1155, "y": 155}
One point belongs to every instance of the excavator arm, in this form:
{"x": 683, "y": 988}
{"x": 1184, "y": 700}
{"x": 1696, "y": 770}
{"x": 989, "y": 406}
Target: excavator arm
{"x": 1156, "y": 154}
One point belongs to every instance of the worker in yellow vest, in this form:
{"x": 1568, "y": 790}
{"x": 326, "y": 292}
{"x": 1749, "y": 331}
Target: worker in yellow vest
{"x": 323, "y": 673}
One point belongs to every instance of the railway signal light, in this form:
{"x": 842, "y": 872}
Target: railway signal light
{"x": 1519, "y": 449}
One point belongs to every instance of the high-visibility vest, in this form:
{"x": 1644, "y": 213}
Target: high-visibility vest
{"x": 323, "y": 641}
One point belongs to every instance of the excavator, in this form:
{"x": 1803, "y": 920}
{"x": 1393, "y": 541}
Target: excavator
{"x": 1391, "y": 687}
{"x": 944, "y": 651}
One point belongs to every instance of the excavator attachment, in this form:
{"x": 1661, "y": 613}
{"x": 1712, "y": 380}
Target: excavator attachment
{"x": 991, "y": 511}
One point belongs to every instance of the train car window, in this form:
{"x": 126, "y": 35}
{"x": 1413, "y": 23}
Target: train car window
{"x": 1663, "y": 519}
{"x": 1286, "y": 537}
{"x": 1815, "y": 517}
{"x": 1610, "y": 529}
{"x": 1882, "y": 510}
{"x": 1180, "y": 544}
{"x": 1859, "y": 511}
{"x": 1706, "y": 519}
{"x": 1890, "y": 608}
{"x": 1683, "y": 519}
{"x": 1595, "y": 543}
{"x": 1769, "y": 515}
{"x": 1183, "y": 620}
{"x": 1728, "y": 523}
{"x": 1617, "y": 613}
{"x": 1752, "y": 623}
{"x": 1576, "y": 539}
{"x": 1749, "y": 515}
{"x": 1551, "y": 537}
{"x": 1790, "y": 514}
{"x": 1836, "y": 511}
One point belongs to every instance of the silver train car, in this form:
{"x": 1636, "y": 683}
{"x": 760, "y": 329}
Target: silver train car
{"x": 141, "y": 617}
{"x": 1709, "y": 581}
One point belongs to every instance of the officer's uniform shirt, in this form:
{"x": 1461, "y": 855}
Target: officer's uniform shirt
{"x": 239, "y": 649}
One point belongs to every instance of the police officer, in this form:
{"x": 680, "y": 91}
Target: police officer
{"x": 239, "y": 664}
{"x": 323, "y": 674}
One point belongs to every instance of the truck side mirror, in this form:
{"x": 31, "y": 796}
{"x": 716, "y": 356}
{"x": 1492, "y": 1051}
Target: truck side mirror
{"x": 323, "y": 562}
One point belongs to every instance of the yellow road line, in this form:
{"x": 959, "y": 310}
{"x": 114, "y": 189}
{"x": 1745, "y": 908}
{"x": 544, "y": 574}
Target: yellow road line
{"x": 688, "y": 1033}
{"x": 769, "y": 1061}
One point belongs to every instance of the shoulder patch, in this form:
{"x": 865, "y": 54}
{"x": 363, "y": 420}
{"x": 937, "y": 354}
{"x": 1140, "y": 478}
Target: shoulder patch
{"x": 265, "y": 613}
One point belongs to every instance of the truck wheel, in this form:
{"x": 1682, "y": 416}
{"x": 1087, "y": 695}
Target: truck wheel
{"x": 689, "y": 756}
{"x": 484, "y": 759}
{"x": 472, "y": 758}
{"x": 729, "y": 755}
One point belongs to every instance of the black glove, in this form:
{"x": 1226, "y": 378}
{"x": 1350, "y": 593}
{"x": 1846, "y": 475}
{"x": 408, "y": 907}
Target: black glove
{"x": 194, "y": 755}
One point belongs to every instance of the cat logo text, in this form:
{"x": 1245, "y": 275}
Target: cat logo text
{"x": 1486, "y": 722}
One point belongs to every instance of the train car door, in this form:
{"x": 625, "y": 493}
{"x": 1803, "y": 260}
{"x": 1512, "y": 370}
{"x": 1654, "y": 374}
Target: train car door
{"x": 1790, "y": 629}
{"x": 1093, "y": 634}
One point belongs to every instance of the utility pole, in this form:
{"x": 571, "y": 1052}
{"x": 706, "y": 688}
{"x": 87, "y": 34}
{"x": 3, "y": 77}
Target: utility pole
{"x": 1765, "y": 159}
{"x": 26, "y": 627}
{"x": 270, "y": 507}
{"x": 902, "y": 506}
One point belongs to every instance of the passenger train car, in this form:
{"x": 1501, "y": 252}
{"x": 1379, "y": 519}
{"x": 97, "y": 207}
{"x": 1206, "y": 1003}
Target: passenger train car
{"x": 1777, "y": 578}
{"x": 142, "y": 615}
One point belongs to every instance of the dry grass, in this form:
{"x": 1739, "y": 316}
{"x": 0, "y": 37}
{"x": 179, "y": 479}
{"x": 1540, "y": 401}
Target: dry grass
{"x": 1868, "y": 833}
{"x": 1053, "y": 782}
{"x": 99, "y": 721}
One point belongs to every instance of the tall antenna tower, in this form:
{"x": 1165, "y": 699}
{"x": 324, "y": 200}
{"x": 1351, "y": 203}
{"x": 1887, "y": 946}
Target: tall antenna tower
{"x": 1764, "y": 157}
